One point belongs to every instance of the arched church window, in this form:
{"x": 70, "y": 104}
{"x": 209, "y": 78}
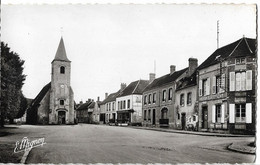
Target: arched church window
{"x": 62, "y": 69}
{"x": 61, "y": 102}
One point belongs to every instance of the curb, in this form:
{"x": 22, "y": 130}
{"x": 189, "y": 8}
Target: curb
{"x": 193, "y": 133}
{"x": 25, "y": 155}
{"x": 231, "y": 147}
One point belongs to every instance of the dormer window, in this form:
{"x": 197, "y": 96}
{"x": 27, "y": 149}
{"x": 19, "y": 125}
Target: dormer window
{"x": 62, "y": 70}
{"x": 240, "y": 60}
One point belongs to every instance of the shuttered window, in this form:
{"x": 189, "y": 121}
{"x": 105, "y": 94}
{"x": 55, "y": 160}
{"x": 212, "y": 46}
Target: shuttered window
{"x": 240, "y": 81}
{"x": 231, "y": 113}
{"x": 200, "y": 87}
{"x": 213, "y": 113}
{"x": 222, "y": 120}
{"x": 248, "y": 112}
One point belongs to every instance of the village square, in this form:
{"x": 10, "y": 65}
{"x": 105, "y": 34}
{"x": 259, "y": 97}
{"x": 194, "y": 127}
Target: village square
{"x": 202, "y": 113}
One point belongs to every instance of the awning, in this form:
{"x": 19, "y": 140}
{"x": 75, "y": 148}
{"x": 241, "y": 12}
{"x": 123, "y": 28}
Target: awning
{"x": 126, "y": 111}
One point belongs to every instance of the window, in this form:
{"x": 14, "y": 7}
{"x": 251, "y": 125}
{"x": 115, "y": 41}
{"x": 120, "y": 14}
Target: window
{"x": 189, "y": 98}
{"x": 62, "y": 70}
{"x": 182, "y": 99}
{"x": 218, "y": 113}
{"x": 240, "y": 60}
{"x": 204, "y": 87}
{"x": 145, "y": 99}
{"x": 154, "y": 97}
{"x": 240, "y": 113}
{"x": 240, "y": 81}
{"x": 128, "y": 103}
{"x": 118, "y": 104}
{"x": 109, "y": 106}
{"x": 194, "y": 118}
{"x": 124, "y": 105}
{"x": 164, "y": 113}
{"x": 164, "y": 95}
{"x": 149, "y": 98}
{"x": 61, "y": 102}
{"x": 144, "y": 114}
{"x": 113, "y": 106}
{"x": 170, "y": 94}
{"x": 121, "y": 104}
{"x": 178, "y": 116}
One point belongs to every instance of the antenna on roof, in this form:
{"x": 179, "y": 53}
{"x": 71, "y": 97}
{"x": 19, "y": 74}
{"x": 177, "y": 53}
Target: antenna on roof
{"x": 61, "y": 31}
{"x": 217, "y": 34}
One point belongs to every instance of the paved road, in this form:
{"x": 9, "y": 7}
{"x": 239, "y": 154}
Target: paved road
{"x": 109, "y": 144}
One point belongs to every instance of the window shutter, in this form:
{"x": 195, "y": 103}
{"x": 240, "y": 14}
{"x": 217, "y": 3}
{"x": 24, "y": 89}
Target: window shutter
{"x": 231, "y": 113}
{"x": 238, "y": 81}
{"x": 232, "y": 81}
{"x": 208, "y": 86}
{"x": 222, "y": 113}
{"x": 213, "y": 113}
{"x": 248, "y": 112}
{"x": 223, "y": 81}
{"x": 249, "y": 80}
{"x": 243, "y": 81}
{"x": 214, "y": 85}
{"x": 200, "y": 88}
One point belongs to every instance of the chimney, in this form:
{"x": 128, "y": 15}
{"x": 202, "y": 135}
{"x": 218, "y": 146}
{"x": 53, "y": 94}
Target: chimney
{"x": 151, "y": 77}
{"x": 123, "y": 86}
{"x": 193, "y": 64}
{"x": 81, "y": 102}
{"x": 89, "y": 99}
{"x": 106, "y": 94}
{"x": 98, "y": 98}
{"x": 172, "y": 68}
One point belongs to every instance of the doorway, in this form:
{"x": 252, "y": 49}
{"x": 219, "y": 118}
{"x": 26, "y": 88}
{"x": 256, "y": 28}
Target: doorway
{"x": 62, "y": 117}
{"x": 183, "y": 121}
{"x": 153, "y": 117}
{"x": 205, "y": 117}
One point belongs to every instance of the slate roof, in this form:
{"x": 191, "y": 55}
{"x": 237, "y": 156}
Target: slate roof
{"x": 186, "y": 82}
{"x": 135, "y": 87}
{"x": 61, "y": 52}
{"x": 241, "y": 48}
{"x": 84, "y": 106}
{"x": 166, "y": 79}
{"x": 111, "y": 97}
{"x": 40, "y": 96}
{"x": 92, "y": 105}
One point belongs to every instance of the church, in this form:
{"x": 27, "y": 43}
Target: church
{"x": 55, "y": 102}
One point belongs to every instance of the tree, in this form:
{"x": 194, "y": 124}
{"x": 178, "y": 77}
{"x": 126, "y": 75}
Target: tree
{"x": 12, "y": 79}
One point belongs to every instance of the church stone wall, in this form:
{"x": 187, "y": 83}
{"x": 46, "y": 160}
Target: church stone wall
{"x": 43, "y": 110}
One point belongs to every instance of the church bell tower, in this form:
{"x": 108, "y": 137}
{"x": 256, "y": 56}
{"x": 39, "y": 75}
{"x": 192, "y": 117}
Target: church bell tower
{"x": 61, "y": 94}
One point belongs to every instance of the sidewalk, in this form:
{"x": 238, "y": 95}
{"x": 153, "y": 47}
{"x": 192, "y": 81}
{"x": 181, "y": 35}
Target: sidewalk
{"x": 242, "y": 147}
{"x": 191, "y": 132}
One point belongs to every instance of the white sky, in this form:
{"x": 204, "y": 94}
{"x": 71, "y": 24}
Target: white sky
{"x": 110, "y": 44}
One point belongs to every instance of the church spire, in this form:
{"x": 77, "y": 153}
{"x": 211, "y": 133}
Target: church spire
{"x": 61, "y": 52}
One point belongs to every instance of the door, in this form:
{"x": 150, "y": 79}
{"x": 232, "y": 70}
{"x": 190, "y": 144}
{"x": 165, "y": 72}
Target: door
{"x": 114, "y": 117}
{"x": 153, "y": 116}
{"x": 183, "y": 121}
{"x": 205, "y": 117}
{"x": 62, "y": 117}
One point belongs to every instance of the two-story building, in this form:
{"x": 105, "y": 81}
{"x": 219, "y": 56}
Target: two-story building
{"x": 129, "y": 103}
{"x": 227, "y": 91}
{"x": 82, "y": 112}
{"x": 158, "y": 100}
{"x": 186, "y": 99}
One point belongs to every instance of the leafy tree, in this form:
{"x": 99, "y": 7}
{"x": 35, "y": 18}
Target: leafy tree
{"x": 12, "y": 79}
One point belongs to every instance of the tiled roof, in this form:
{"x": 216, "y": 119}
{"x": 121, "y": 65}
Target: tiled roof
{"x": 92, "y": 105}
{"x": 84, "y": 106}
{"x": 40, "y": 96}
{"x": 186, "y": 82}
{"x": 61, "y": 52}
{"x": 241, "y": 48}
{"x": 135, "y": 87}
{"x": 165, "y": 79}
{"x": 111, "y": 97}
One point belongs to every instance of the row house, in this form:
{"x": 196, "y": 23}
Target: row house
{"x": 108, "y": 107}
{"x": 158, "y": 100}
{"x": 88, "y": 112}
{"x": 227, "y": 89}
{"x": 129, "y": 103}
{"x": 186, "y": 99}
